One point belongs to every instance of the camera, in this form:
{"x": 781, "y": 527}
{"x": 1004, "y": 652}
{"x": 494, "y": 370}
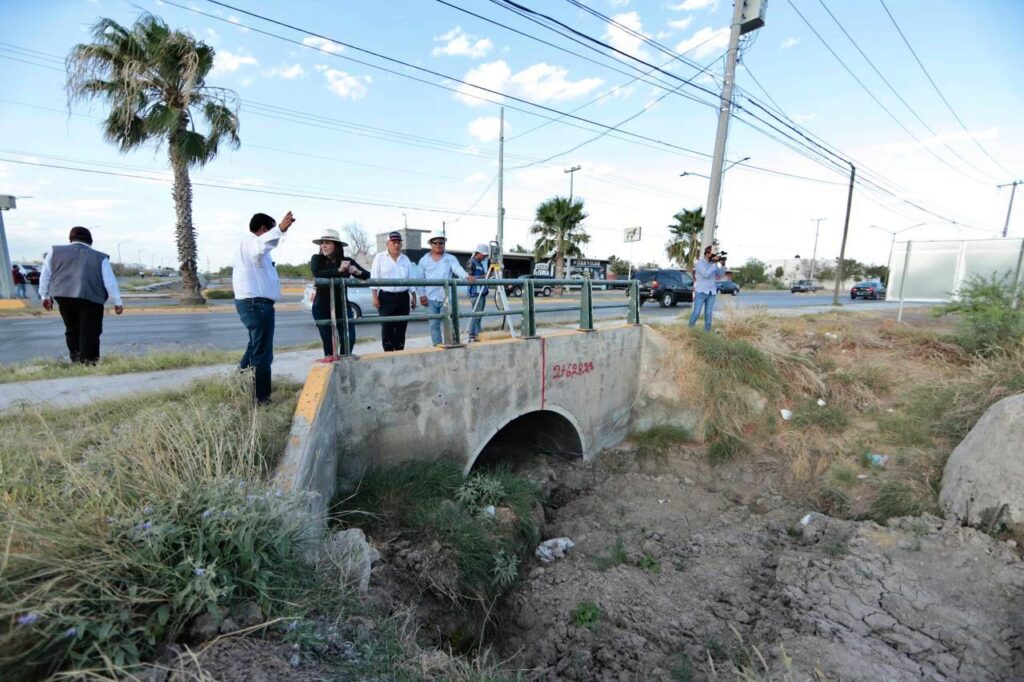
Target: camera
{"x": 718, "y": 256}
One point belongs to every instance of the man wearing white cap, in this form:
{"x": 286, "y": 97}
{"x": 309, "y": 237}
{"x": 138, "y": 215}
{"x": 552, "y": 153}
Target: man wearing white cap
{"x": 477, "y": 267}
{"x": 438, "y": 265}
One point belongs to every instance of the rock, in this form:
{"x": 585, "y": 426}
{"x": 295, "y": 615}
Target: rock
{"x": 203, "y": 628}
{"x": 228, "y": 626}
{"x": 350, "y": 556}
{"x": 246, "y": 614}
{"x": 986, "y": 470}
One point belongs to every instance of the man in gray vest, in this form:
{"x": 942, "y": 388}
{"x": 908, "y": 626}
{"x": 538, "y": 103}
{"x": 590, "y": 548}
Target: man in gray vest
{"x": 81, "y": 280}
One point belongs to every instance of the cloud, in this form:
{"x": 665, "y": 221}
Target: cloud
{"x": 694, "y": 5}
{"x": 237, "y": 22}
{"x": 493, "y": 75}
{"x": 804, "y": 118}
{"x": 344, "y": 84}
{"x": 618, "y": 3}
{"x": 486, "y": 129}
{"x": 788, "y": 43}
{"x": 546, "y": 83}
{"x": 477, "y": 177}
{"x": 286, "y": 72}
{"x": 322, "y": 44}
{"x": 458, "y": 43}
{"x": 229, "y": 62}
{"x": 622, "y": 39}
{"x": 681, "y": 24}
{"x": 705, "y": 42}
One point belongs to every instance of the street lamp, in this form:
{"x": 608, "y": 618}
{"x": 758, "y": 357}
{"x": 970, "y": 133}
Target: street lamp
{"x": 572, "y": 174}
{"x": 892, "y": 245}
{"x": 119, "y": 261}
{"x": 706, "y": 177}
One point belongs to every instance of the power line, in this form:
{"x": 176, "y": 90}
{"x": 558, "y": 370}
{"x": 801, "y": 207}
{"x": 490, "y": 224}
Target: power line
{"x": 939, "y": 92}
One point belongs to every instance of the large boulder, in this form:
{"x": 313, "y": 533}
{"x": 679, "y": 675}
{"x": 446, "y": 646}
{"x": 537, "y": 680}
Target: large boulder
{"x": 986, "y": 470}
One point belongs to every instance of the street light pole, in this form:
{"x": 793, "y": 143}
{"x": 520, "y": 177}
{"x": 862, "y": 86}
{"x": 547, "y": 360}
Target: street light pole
{"x": 571, "y": 172}
{"x": 892, "y": 246}
{"x": 1013, "y": 185}
{"x": 499, "y": 257}
{"x": 814, "y": 255}
{"x": 734, "y": 163}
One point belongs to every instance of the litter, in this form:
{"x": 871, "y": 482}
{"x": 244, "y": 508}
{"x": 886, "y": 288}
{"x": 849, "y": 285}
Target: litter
{"x": 786, "y": 414}
{"x": 663, "y": 501}
{"x": 490, "y": 512}
{"x": 878, "y": 460}
{"x": 810, "y": 517}
{"x": 889, "y": 410}
{"x": 862, "y": 476}
{"x": 821, "y": 403}
{"x": 552, "y": 549}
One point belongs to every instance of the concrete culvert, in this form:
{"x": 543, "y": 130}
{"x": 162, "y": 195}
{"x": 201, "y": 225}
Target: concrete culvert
{"x": 535, "y": 433}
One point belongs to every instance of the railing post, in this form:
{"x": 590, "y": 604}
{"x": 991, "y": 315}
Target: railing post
{"x": 529, "y": 327}
{"x": 334, "y": 325}
{"x": 453, "y": 313}
{"x": 346, "y": 344}
{"x": 587, "y": 306}
{"x": 634, "y": 302}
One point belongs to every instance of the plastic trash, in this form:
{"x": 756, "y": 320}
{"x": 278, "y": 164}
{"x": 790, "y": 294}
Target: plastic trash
{"x": 786, "y": 414}
{"x": 821, "y": 403}
{"x": 663, "y": 501}
{"x": 806, "y": 520}
{"x": 878, "y": 460}
{"x": 553, "y": 549}
{"x": 490, "y": 512}
{"x": 862, "y": 476}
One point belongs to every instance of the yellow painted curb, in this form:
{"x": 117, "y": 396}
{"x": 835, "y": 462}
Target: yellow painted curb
{"x": 13, "y": 304}
{"x": 313, "y": 392}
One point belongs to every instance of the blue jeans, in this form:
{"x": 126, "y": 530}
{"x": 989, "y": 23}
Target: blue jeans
{"x": 707, "y": 301}
{"x": 20, "y": 291}
{"x": 436, "y": 337}
{"x": 478, "y": 305}
{"x": 258, "y": 317}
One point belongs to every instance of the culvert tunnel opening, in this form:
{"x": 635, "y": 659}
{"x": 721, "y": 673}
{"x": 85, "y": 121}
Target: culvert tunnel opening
{"x": 519, "y": 444}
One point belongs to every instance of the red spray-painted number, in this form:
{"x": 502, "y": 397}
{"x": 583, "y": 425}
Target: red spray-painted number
{"x": 572, "y": 369}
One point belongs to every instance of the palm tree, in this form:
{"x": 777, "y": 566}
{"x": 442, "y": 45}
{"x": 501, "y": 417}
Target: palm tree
{"x": 684, "y": 246}
{"x": 558, "y": 230}
{"x": 154, "y": 81}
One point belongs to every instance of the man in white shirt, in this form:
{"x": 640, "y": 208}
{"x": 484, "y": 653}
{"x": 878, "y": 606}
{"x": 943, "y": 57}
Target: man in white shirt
{"x": 392, "y": 300}
{"x": 436, "y": 264}
{"x": 81, "y": 280}
{"x": 709, "y": 269}
{"x": 256, "y": 286}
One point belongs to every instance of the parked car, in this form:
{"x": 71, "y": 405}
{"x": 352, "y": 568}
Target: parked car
{"x": 875, "y": 290}
{"x": 727, "y": 286}
{"x": 667, "y": 287}
{"x": 359, "y": 299}
{"x": 804, "y": 286}
{"x": 540, "y": 288}
{"x": 30, "y": 272}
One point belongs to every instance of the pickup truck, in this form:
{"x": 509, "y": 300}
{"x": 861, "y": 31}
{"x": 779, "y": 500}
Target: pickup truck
{"x": 804, "y": 285}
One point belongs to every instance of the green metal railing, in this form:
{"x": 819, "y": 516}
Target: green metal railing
{"x": 451, "y": 316}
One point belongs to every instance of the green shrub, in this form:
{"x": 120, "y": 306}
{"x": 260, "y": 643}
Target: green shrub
{"x": 724, "y": 448}
{"x": 828, "y": 418}
{"x": 649, "y": 563}
{"x": 989, "y": 324}
{"x": 586, "y": 614}
{"x": 902, "y": 498}
{"x": 615, "y": 557}
{"x": 655, "y": 442}
{"x": 212, "y": 294}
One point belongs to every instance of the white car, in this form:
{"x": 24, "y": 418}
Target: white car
{"x": 358, "y": 297}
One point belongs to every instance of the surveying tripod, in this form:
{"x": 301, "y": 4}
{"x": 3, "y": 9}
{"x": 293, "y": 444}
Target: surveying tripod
{"x": 494, "y": 271}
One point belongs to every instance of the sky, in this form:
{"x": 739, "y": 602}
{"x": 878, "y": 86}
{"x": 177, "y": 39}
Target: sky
{"x": 363, "y": 145}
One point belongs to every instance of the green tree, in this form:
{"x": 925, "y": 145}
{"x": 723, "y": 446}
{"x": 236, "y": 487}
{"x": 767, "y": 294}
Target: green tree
{"x": 154, "y": 81}
{"x": 879, "y": 272}
{"x": 618, "y": 267}
{"x": 780, "y": 272}
{"x": 684, "y": 245}
{"x": 750, "y": 273}
{"x": 853, "y": 269}
{"x": 519, "y": 248}
{"x": 558, "y": 230}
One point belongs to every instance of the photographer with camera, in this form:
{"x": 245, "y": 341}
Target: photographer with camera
{"x": 709, "y": 269}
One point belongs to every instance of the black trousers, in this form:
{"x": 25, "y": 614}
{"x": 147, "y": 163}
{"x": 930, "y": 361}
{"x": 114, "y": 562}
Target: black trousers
{"x": 392, "y": 334}
{"x": 83, "y": 324}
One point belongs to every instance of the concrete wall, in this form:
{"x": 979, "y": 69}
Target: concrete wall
{"x": 387, "y": 408}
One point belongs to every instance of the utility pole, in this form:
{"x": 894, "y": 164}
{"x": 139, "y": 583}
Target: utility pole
{"x": 7, "y": 202}
{"x": 1006, "y": 225}
{"x": 498, "y": 257}
{"x": 814, "y": 256}
{"x": 571, "y": 172}
{"x": 846, "y": 230}
{"x": 715, "y": 185}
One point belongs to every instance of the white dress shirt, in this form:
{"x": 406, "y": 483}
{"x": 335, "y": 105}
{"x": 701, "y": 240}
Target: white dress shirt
{"x": 254, "y": 274}
{"x": 386, "y": 267}
{"x": 707, "y": 273}
{"x": 445, "y": 267}
{"x": 109, "y": 280}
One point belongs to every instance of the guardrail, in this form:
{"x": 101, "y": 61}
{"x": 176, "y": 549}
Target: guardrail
{"x": 451, "y": 316}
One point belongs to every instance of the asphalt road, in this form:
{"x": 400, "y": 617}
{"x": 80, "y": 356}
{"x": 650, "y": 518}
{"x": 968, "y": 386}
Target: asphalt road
{"x": 28, "y": 338}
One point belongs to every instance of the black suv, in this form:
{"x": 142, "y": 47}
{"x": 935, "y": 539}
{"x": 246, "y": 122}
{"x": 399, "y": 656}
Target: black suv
{"x": 667, "y": 287}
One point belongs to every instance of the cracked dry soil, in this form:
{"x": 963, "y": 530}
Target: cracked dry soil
{"x": 713, "y": 554}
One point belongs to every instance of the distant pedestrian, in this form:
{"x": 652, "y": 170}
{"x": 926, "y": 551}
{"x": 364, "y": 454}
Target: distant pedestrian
{"x": 709, "y": 269}
{"x": 256, "y": 285}
{"x": 477, "y": 267}
{"x": 331, "y": 262}
{"x": 436, "y": 264}
{"x": 81, "y": 280}
{"x": 19, "y": 282}
{"x": 393, "y": 300}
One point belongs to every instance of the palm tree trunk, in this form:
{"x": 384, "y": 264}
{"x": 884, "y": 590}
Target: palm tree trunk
{"x": 185, "y": 233}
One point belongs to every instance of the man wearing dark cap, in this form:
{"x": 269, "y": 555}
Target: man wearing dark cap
{"x": 81, "y": 280}
{"x": 392, "y": 300}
